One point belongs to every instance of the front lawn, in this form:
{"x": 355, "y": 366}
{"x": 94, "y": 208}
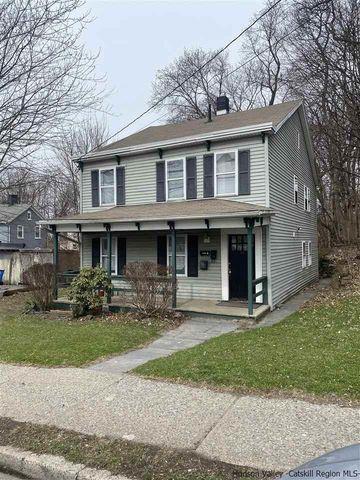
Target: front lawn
{"x": 56, "y": 340}
{"x": 315, "y": 351}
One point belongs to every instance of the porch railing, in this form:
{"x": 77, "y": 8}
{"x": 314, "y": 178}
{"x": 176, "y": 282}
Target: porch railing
{"x": 65, "y": 278}
{"x": 264, "y": 292}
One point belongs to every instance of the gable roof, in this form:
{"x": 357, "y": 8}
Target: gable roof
{"x": 8, "y": 213}
{"x": 247, "y": 121}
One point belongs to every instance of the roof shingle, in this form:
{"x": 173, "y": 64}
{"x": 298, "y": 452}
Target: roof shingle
{"x": 274, "y": 114}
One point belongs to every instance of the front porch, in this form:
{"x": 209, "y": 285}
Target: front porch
{"x": 221, "y": 262}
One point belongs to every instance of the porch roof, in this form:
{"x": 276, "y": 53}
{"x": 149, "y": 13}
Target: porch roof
{"x": 170, "y": 211}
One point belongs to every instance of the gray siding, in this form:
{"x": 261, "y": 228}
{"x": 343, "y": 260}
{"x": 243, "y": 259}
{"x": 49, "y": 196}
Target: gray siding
{"x": 142, "y": 246}
{"x": 140, "y": 172}
{"x": 285, "y": 161}
{"x": 29, "y": 231}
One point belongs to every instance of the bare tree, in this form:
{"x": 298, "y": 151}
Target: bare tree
{"x": 72, "y": 143}
{"x": 46, "y": 76}
{"x": 266, "y": 44}
{"x": 52, "y": 185}
{"x": 192, "y": 97}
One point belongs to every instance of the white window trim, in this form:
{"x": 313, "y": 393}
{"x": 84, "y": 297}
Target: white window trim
{"x": 37, "y": 232}
{"x": 296, "y": 190}
{"x": 166, "y": 178}
{"x": 29, "y": 216}
{"x": 309, "y": 254}
{"x": 303, "y": 254}
{"x": 113, "y": 253}
{"x": 307, "y": 205}
{"x": 186, "y": 254}
{"x": 216, "y": 194}
{"x": 100, "y": 187}
{"x": 20, "y": 237}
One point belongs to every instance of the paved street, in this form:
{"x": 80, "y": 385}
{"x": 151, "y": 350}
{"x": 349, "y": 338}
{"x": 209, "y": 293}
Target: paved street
{"x": 245, "y": 430}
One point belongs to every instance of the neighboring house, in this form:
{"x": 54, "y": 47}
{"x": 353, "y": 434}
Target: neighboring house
{"x": 212, "y": 186}
{"x": 19, "y": 227}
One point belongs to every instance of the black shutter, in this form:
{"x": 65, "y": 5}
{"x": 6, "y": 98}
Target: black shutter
{"x": 120, "y": 185}
{"x": 193, "y": 253}
{"x": 160, "y": 181}
{"x": 191, "y": 178}
{"x": 161, "y": 250}
{"x": 244, "y": 172}
{"x": 121, "y": 255}
{"x": 208, "y": 175}
{"x": 95, "y": 188}
{"x": 95, "y": 249}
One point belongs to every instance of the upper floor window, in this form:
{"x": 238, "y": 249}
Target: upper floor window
{"x": 37, "y": 232}
{"x": 181, "y": 254}
{"x": 307, "y": 205}
{"x": 107, "y": 186}
{"x": 20, "y": 231}
{"x": 296, "y": 189}
{"x": 298, "y": 139}
{"x": 29, "y": 215}
{"x": 175, "y": 179}
{"x": 225, "y": 168}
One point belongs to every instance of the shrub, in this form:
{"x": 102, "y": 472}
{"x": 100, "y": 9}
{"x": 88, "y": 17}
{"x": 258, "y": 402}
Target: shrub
{"x": 88, "y": 290}
{"x": 150, "y": 288}
{"x": 40, "y": 278}
{"x": 326, "y": 267}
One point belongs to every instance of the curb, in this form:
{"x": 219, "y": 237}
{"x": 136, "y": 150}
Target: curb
{"x": 49, "y": 467}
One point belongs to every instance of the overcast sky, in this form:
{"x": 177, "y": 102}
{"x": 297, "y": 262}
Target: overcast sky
{"x": 136, "y": 38}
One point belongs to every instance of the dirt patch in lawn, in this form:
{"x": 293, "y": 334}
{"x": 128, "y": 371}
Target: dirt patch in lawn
{"x": 121, "y": 457}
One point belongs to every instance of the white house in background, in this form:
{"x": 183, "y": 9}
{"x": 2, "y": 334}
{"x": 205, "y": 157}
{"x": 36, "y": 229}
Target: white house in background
{"x": 215, "y": 186}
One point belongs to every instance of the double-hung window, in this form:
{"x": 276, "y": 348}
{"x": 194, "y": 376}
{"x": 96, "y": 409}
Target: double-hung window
{"x": 175, "y": 179}
{"x": 307, "y": 206}
{"x": 309, "y": 254}
{"x": 107, "y": 186}
{"x": 20, "y": 231}
{"x": 104, "y": 255}
{"x": 296, "y": 189}
{"x": 304, "y": 253}
{"x": 181, "y": 254}
{"x": 29, "y": 215}
{"x": 225, "y": 173}
{"x": 37, "y": 232}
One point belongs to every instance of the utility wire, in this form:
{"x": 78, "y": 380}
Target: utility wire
{"x": 158, "y": 102}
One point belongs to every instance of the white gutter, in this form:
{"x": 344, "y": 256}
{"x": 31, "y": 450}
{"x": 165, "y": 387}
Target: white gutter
{"x": 255, "y": 213}
{"x": 218, "y": 135}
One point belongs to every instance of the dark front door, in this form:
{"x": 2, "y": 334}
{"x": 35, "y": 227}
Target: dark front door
{"x": 238, "y": 266}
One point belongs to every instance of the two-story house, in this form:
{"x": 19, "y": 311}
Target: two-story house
{"x": 19, "y": 227}
{"x": 235, "y": 193}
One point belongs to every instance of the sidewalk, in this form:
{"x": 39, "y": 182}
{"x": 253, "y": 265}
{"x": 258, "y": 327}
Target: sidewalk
{"x": 244, "y": 430}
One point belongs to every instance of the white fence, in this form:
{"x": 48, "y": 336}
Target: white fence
{"x": 16, "y": 262}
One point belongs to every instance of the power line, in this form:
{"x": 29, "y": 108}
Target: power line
{"x": 219, "y": 52}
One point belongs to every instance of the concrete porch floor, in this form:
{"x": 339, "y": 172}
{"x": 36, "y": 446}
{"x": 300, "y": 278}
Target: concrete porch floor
{"x": 196, "y": 306}
{"x": 212, "y": 307}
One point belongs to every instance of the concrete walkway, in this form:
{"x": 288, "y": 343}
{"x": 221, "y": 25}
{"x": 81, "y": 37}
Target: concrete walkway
{"x": 197, "y": 330}
{"x": 190, "y": 333}
{"x": 245, "y": 430}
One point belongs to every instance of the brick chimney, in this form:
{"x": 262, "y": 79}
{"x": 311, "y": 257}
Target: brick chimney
{"x": 222, "y": 105}
{"x": 13, "y": 199}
